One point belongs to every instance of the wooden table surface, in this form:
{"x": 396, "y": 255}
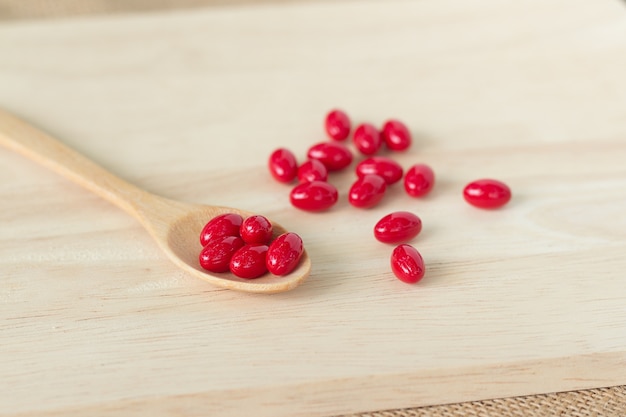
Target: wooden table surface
{"x": 528, "y": 299}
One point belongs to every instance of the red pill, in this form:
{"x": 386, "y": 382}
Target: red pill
{"x": 249, "y": 261}
{"x": 397, "y": 227}
{"x": 367, "y": 191}
{"x": 256, "y": 229}
{"x": 387, "y": 168}
{"x": 396, "y": 135}
{"x": 216, "y": 256}
{"x": 487, "y": 193}
{"x": 314, "y": 196}
{"x": 312, "y": 170}
{"x": 337, "y": 125}
{"x": 419, "y": 180}
{"x": 283, "y": 165}
{"x": 333, "y": 155}
{"x": 407, "y": 264}
{"x": 227, "y": 224}
{"x": 367, "y": 139}
{"x": 284, "y": 253}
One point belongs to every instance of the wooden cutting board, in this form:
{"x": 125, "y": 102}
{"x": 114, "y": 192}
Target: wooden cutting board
{"x": 528, "y": 299}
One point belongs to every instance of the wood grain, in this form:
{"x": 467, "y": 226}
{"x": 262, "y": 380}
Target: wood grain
{"x": 518, "y": 301}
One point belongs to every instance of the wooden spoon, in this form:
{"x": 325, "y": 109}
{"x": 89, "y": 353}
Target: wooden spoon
{"x": 173, "y": 224}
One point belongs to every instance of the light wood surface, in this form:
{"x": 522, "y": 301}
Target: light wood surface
{"x": 529, "y": 299}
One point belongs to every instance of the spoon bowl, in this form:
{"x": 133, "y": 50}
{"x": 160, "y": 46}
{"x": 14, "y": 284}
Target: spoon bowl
{"x": 174, "y": 225}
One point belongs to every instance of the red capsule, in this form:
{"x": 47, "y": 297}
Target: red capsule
{"x": 387, "y": 168}
{"x": 249, "y": 261}
{"x": 367, "y": 191}
{"x": 487, "y": 193}
{"x": 314, "y": 196}
{"x": 216, "y": 256}
{"x": 283, "y": 165}
{"x": 367, "y": 139}
{"x": 312, "y": 170}
{"x": 227, "y": 224}
{"x": 284, "y": 253}
{"x": 396, "y": 135}
{"x": 419, "y": 180}
{"x": 333, "y": 155}
{"x": 337, "y": 125}
{"x": 397, "y": 227}
{"x": 256, "y": 229}
{"x": 407, "y": 264}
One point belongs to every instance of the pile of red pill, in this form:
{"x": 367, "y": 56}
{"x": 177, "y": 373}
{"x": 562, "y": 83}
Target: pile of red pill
{"x": 245, "y": 247}
{"x": 375, "y": 174}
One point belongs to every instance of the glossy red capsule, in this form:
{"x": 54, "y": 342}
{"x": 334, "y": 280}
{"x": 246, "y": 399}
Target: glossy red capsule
{"x": 216, "y": 256}
{"x": 367, "y": 191}
{"x": 256, "y": 229}
{"x": 387, "y": 168}
{"x": 407, "y": 264}
{"x": 333, "y": 155}
{"x": 312, "y": 170}
{"x": 397, "y": 227}
{"x": 314, "y": 196}
{"x": 284, "y": 253}
{"x": 337, "y": 125}
{"x": 396, "y": 135}
{"x": 487, "y": 193}
{"x": 367, "y": 139}
{"x": 283, "y": 165}
{"x": 419, "y": 180}
{"x": 249, "y": 261}
{"x": 227, "y": 224}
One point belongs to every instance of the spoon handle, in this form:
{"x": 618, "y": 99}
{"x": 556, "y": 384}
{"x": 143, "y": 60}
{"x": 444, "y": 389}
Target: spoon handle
{"x": 19, "y": 136}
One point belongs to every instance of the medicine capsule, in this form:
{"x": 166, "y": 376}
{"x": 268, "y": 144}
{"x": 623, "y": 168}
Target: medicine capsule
{"x": 283, "y": 165}
{"x": 387, "y": 168}
{"x": 367, "y": 139}
{"x": 419, "y": 180}
{"x": 284, "y": 253}
{"x": 333, "y": 155}
{"x": 216, "y": 255}
{"x": 256, "y": 229}
{"x": 337, "y": 125}
{"x": 407, "y": 264}
{"x": 249, "y": 261}
{"x": 487, "y": 193}
{"x": 227, "y": 224}
{"x": 367, "y": 191}
{"x": 314, "y": 196}
{"x": 397, "y": 227}
{"x": 312, "y": 170}
{"x": 396, "y": 135}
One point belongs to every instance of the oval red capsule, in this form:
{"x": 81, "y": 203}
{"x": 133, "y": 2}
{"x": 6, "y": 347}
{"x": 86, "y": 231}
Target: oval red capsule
{"x": 283, "y": 165}
{"x": 333, "y": 155}
{"x": 337, "y": 125}
{"x": 487, "y": 193}
{"x": 419, "y": 180}
{"x": 216, "y": 256}
{"x": 397, "y": 227}
{"x": 312, "y": 170}
{"x": 256, "y": 229}
{"x": 284, "y": 253}
{"x": 407, "y": 264}
{"x": 367, "y": 139}
{"x": 249, "y": 261}
{"x": 396, "y": 135}
{"x": 314, "y": 196}
{"x": 367, "y": 191}
{"x": 227, "y": 224}
{"x": 387, "y": 168}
